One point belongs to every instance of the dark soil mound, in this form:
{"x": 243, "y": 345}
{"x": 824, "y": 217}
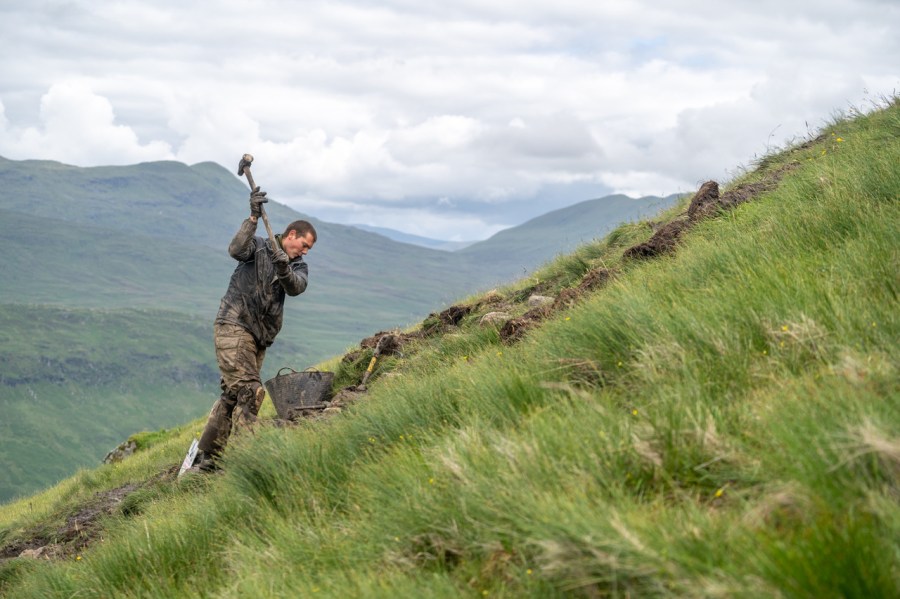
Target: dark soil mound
{"x": 595, "y": 279}
{"x": 706, "y": 203}
{"x": 451, "y": 317}
{"x": 387, "y": 343}
{"x": 663, "y": 241}
{"x": 515, "y": 328}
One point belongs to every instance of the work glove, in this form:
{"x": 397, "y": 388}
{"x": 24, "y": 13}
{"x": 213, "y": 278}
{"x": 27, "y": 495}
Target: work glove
{"x": 257, "y": 199}
{"x": 280, "y": 260}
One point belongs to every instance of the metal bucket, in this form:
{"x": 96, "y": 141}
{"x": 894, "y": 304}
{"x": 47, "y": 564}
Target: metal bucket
{"x": 297, "y": 392}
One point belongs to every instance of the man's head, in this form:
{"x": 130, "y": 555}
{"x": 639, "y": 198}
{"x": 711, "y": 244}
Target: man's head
{"x": 298, "y": 238}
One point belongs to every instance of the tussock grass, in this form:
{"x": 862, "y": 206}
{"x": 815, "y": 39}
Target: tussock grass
{"x": 719, "y": 422}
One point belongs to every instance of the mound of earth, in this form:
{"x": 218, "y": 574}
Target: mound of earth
{"x": 706, "y": 203}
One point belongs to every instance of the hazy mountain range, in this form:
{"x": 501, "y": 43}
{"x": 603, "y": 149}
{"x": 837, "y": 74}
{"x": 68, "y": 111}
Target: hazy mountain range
{"x": 427, "y": 242}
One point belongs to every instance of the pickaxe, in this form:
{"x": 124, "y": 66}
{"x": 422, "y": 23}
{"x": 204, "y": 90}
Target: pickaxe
{"x": 244, "y": 169}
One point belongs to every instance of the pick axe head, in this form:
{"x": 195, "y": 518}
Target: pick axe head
{"x": 246, "y": 161}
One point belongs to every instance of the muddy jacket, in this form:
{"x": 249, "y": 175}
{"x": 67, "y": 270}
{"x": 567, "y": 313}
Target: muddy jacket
{"x": 255, "y": 296}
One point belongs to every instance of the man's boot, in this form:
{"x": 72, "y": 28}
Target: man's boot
{"x": 205, "y": 463}
{"x": 218, "y": 426}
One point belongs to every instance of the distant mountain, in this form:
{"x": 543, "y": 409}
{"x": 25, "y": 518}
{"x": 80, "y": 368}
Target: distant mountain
{"x": 513, "y": 252}
{"x": 435, "y": 244}
{"x": 111, "y": 278}
{"x": 155, "y": 235}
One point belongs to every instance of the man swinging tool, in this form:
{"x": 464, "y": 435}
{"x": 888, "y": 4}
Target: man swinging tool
{"x": 250, "y": 316}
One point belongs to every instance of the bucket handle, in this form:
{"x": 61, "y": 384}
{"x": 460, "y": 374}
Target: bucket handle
{"x": 310, "y": 369}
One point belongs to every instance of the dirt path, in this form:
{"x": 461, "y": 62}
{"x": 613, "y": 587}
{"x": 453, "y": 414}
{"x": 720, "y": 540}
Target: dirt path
{"x": 81, "y": 527}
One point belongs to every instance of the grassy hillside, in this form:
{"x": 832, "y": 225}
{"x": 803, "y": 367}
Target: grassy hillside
{"x": 721, "y": 420}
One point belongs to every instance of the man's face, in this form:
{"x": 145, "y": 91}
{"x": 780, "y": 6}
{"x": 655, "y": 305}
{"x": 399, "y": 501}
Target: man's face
{"x": 296, "y": 245}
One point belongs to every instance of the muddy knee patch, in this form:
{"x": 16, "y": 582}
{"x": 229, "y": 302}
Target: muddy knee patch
{"x": 259, "y": 396}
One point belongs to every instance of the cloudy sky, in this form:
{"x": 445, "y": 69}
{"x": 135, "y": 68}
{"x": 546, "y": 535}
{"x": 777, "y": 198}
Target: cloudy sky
{"x": 450, "y": 120}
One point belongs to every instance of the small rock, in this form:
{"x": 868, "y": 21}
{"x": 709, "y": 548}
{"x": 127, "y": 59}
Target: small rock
{"x": 494, "y": 319}
{"x": 120, "y": 453}
{"x": 536, "y": 301}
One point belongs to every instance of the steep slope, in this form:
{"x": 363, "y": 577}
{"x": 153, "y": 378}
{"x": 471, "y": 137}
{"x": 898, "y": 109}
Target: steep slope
{"x": 719, "y": 418}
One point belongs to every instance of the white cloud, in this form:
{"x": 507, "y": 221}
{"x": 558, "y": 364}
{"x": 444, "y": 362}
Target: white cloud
{"x": 496, "y": 108}
{"x": 77, "y": 127}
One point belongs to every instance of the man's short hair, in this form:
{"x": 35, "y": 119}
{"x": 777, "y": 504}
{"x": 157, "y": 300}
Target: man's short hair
{"x": 302, "y": 227}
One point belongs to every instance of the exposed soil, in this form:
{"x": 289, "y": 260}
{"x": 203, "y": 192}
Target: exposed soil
{"x": 566, "y": 298}
{"x": 515, "y": 328}
{"x": 388, "y": 343}
{"x": 81, "y": 527}
{"x": 750, "y": 191}
{"x": 391, "y": 342}
{"x": 436, "y": 324}
{"x": 706, "y": 203}
{"x": 595, "y": 279}
{"x": 592, "y": 281}
{"x": 662, "y": 242}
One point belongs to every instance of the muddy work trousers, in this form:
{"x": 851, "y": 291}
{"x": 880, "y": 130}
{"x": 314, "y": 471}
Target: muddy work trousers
{"x": 240, "y": 361}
